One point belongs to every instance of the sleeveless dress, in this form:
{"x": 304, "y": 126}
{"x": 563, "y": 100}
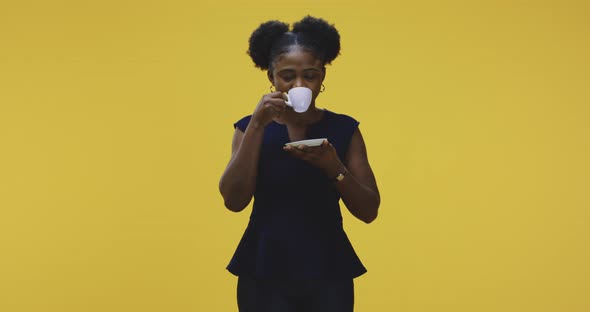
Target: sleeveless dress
{"x": 295, "y": 229}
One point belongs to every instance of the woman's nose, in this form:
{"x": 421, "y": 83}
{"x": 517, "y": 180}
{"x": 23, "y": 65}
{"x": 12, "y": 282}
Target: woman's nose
{"x": 298, "y": 83}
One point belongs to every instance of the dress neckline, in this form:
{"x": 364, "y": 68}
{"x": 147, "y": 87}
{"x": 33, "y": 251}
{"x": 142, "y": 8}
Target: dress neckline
{"x": 325, "y": 112}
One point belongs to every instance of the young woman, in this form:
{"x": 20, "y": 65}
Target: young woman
{"x": 294, "y": 254}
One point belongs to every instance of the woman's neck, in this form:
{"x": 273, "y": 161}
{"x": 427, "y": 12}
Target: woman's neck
{"x": 311, "y": 116}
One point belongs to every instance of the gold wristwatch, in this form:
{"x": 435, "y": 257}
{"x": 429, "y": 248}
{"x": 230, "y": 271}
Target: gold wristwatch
{"x": 340, "y": 176}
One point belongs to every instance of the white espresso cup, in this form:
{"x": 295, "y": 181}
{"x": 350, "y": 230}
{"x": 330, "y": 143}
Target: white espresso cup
{"x": 299, "y": 98}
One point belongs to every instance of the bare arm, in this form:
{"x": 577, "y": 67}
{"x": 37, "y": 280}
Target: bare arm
{"x": 238, "y": 182}
{"x": 358, "y": 189}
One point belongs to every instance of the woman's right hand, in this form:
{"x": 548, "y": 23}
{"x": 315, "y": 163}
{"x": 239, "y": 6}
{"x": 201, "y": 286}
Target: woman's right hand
{"x": 271, "y": 106}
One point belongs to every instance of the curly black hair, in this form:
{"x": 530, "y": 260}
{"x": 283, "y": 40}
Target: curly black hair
{"x": 273, "y": 38}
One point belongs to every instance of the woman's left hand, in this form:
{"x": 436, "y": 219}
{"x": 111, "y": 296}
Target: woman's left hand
{"x": 323, "y": 156}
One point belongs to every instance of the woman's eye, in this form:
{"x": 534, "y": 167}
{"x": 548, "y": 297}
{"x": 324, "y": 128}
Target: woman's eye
{"x": 309, "y": 77}
{"x": 287, "y": 78}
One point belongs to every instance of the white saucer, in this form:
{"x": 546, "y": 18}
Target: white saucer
{"x": 312, "y": 142}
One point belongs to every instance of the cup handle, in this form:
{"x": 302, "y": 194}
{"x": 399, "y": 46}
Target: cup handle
{"x": 288, "y": 101}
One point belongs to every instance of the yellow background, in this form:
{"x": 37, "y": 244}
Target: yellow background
{"x": 116, "y": 120}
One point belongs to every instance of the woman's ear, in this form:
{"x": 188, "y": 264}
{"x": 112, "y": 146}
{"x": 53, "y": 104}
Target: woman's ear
{"x": 269, "y": 75}
{"x": 323, "y": 73}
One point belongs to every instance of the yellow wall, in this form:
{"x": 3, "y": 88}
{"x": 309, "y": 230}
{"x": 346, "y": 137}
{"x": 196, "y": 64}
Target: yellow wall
{"x": 115, "y": 125}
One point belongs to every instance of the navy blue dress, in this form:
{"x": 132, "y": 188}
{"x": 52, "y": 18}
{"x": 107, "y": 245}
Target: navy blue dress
{"x": 295, "y": 229}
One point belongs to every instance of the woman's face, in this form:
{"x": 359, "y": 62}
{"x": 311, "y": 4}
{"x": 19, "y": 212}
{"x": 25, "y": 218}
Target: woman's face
{"x": 298, "y": 68}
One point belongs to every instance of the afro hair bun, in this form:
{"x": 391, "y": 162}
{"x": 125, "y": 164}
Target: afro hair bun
{"x": 324, "y": 34}
{"x": 272, "y": 38}
{"x": 262, "y": 39}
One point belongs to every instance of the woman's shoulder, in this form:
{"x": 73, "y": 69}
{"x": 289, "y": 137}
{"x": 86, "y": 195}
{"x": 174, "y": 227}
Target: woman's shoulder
{"x": 340, "y": 118}
{"x": 242, "y": 124}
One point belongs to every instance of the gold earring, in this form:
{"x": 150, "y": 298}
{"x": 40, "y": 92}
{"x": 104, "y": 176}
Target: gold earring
{"x": 323, "y": 88}
{"x": 271, "y": 90}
